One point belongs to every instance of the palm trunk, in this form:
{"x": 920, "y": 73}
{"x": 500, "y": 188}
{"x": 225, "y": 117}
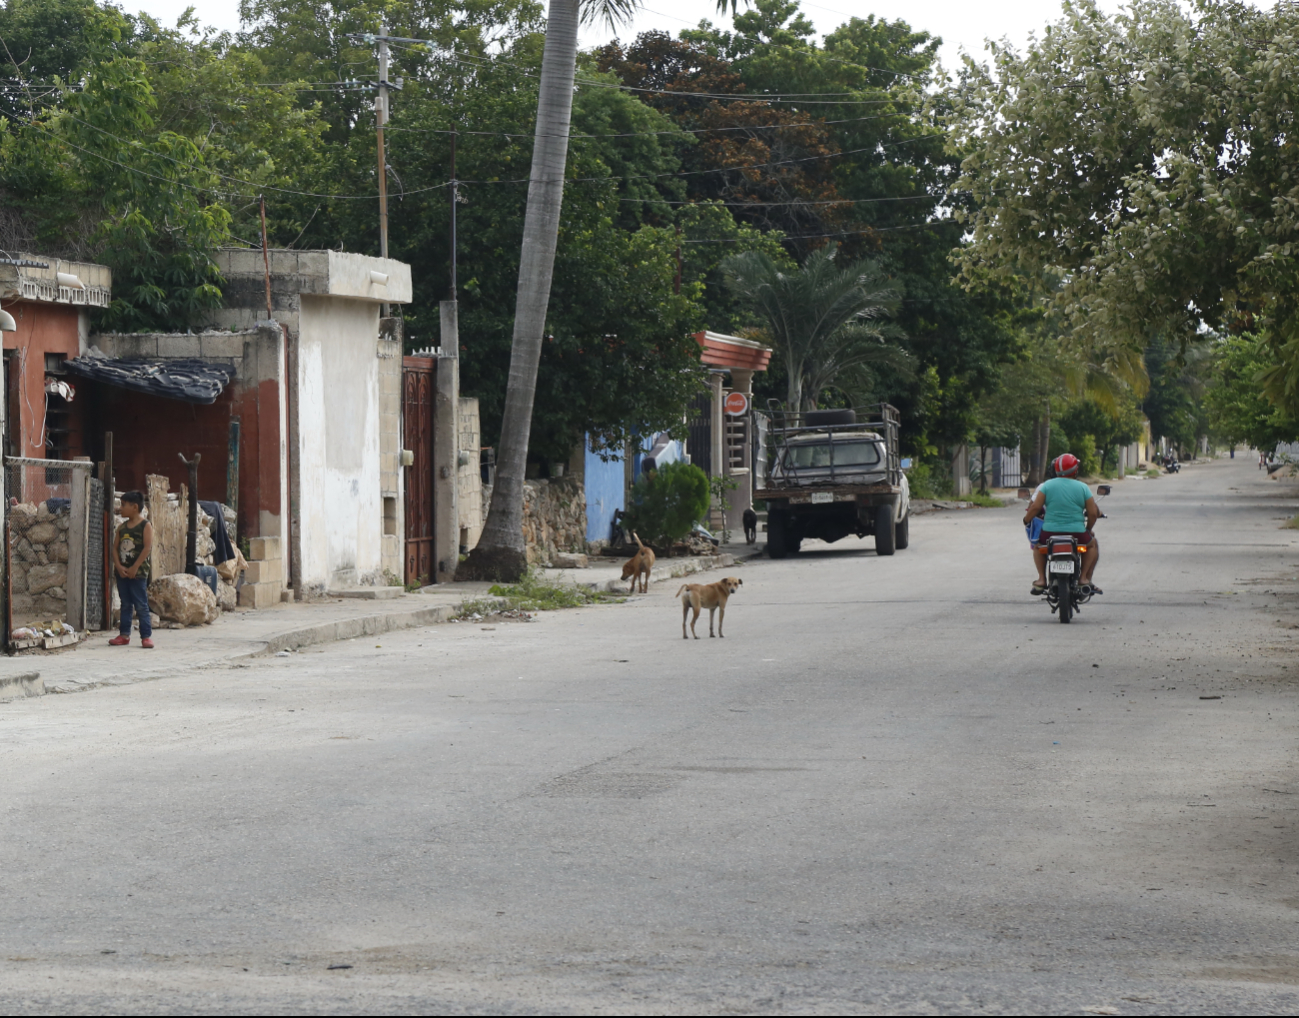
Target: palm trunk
{"x": 501, "y": 553}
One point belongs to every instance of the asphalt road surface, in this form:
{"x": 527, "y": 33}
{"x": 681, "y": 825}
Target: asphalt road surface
{"x": 898, "y": 785}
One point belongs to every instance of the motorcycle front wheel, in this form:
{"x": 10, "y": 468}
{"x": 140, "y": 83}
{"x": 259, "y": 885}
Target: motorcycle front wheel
{"x": 1064, "y": 596}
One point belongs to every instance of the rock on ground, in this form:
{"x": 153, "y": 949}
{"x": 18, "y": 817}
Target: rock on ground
{"x": 183, "y": 598}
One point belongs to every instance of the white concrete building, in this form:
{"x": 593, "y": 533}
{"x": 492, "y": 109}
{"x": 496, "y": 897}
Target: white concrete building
{"x": 343, "y": 407}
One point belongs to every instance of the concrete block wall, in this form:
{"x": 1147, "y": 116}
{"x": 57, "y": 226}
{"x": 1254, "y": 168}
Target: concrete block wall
{"x": 469, "y": 479}
{"x": 390, "y": 444}
{"x": 223, "y": 346}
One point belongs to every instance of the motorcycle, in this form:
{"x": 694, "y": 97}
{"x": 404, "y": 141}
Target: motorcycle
{"x": 1171, "y": 466}
{"x": 1064, "y": 592}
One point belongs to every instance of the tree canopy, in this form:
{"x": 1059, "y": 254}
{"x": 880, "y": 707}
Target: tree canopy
{"x": 1146, "y": 158}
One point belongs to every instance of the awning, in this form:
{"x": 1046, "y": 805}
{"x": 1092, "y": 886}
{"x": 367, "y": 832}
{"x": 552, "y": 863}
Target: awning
{"x": 189, "y": 380}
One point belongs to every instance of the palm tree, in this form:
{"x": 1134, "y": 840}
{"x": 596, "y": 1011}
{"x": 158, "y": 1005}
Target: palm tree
{"x": 825, "y": 321}
{"x": 501, "y": 553}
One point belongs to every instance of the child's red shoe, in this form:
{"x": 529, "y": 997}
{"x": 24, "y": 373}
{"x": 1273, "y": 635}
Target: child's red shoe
{"x": 146, "y": 643}
{"x": 119, "y": 641}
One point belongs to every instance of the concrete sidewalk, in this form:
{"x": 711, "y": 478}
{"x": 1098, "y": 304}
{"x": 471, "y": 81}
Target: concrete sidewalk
{"x": 247, "y": 633}
{"x": 605, "y": 573}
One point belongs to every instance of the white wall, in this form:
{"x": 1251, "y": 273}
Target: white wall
{"x": 338, "y": 455}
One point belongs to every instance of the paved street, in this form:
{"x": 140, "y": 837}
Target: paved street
{"x": 897, "y": 786}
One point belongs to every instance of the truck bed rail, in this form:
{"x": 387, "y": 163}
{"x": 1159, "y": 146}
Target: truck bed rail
{"x": 784, "y": 426}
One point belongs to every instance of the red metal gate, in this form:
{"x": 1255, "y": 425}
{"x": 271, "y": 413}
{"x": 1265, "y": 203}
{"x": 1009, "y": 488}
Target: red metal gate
{"x": 417, "y": 394}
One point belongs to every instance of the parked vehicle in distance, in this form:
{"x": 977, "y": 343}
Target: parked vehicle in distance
{"x": 832, "y": 473}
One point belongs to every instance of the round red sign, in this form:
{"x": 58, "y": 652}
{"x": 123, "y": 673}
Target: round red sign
{"x": 736, "y": 404}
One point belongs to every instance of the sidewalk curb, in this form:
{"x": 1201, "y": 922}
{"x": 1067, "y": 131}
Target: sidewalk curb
{"x": 347, "y": 629}
{"x": 676, "y": 567}
{"x": 12, "y": 687}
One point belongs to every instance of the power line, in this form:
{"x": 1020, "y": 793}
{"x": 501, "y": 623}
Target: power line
{"x": 650, "y": 134}
{"x": 433, "y": 187}
{"x": 841, "y": 233}
{"x": 782, "y": 204}
{"x": 807, "y": 98}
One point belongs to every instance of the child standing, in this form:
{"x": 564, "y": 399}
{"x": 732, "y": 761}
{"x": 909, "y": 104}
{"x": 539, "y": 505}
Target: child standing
{"x": 131, "y": 548}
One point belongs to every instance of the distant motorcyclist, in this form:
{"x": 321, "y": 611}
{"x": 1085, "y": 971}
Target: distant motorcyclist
{"x": 1070, "y": 509}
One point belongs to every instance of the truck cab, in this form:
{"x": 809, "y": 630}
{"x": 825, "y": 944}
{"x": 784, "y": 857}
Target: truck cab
{"x": 832, "y": 473}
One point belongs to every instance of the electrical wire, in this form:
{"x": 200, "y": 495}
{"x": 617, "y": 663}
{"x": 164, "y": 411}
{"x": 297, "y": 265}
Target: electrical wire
{"x": 432, "y": 187}
{"x": 642, "y": 134}
{"x": 842, "y": 233}
{"x": 807, "y": 98}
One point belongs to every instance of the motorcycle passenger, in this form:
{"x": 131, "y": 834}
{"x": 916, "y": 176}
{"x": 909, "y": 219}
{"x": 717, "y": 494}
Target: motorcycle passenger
{"x": 1070, "y": 509}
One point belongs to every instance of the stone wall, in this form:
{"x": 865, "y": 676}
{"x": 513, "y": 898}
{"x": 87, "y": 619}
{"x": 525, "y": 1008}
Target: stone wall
{"x": 39, "y": 566}
{"x": 554, "y": 518}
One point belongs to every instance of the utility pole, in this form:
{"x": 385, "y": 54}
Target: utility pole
{"x": 381, "y": 118}
{"x": 455, "y": 197}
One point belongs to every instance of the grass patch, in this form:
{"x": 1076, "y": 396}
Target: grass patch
{"x": 985, "y": 501}
{"x": 1151, "y": 474}
{"x": 1291, "y": 524}
{"x": 535, "y": 594}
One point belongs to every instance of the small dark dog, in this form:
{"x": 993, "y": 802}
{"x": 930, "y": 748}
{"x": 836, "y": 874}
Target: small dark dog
{"x": 750, "y": 526}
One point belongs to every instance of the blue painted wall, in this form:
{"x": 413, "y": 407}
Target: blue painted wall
{"x": 604, "y": 493}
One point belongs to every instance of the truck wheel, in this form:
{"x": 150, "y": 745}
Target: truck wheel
{"x": 777, "y": 545}
{"x": 902, "y": 535}
{"x": 885, "y": 534}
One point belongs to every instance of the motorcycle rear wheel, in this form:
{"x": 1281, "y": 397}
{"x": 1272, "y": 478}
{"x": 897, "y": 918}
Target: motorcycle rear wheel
{"x": 1064, "y": 596}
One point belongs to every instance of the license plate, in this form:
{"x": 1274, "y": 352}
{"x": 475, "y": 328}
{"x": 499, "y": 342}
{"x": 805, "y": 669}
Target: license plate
{"x": 819, "y": 497}
{"x": 1063, "y": 565}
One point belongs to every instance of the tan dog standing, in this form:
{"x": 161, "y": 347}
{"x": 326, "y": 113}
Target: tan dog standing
{"x": 638, "y": 567}
{"x": 712, "y": 596}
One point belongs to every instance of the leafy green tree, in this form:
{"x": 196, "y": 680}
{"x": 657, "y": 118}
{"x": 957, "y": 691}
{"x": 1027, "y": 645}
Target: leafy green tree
{"x": 824, "y": 319}
{"x": 1175, "y": 403}
{"x": 98, "y": 168}
{"x": 46, "y": 44}
{"x": 1238, "y": 410}
{"x": 1145, "y": 156}
{"x": 1108, "y": 427}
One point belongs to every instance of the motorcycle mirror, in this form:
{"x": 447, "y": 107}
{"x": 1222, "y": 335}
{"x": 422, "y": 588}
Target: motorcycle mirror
{"x": 1102, "y": 489}
{"x": 1024, "y": 493}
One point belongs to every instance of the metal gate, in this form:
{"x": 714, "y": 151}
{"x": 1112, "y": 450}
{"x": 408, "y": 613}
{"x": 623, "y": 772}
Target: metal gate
{"x": 699, "y": 422}
{"x": 418, "y": 391}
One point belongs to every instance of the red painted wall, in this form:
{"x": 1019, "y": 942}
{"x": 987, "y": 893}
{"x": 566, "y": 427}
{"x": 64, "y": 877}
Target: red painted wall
{"x": 42, "y": 328}
{"x": 150, "y": 433}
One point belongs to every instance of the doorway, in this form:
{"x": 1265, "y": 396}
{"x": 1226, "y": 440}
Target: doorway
{"x": 418, "y": 390}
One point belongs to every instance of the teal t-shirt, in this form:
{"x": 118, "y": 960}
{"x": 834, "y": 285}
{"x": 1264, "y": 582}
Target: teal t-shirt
{"x": 1066, "y": 500}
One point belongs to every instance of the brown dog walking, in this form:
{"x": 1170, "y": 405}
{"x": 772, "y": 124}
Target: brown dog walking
{"x": 639, "y": 566}
{"x": 712, "y": 596}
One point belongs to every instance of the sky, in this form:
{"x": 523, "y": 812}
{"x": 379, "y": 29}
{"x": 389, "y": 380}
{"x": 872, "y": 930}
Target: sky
{"x": 962, "y": 24}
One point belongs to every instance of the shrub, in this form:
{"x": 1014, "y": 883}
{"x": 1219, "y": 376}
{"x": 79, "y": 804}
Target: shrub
{"x": 668, "y": 502}
{"x": 1085, "y": 450}
{"x": 929, "y": 479}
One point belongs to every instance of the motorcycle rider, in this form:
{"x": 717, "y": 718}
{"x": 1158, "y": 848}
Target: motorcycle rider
{"x": 1070, "y": 509}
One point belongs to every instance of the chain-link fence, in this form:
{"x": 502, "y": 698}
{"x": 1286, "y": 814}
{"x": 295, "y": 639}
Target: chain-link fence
{"x": 50, "y": 515}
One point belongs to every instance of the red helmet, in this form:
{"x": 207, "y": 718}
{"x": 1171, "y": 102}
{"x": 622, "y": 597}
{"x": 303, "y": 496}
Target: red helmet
{"x": 1066, "y": 465}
